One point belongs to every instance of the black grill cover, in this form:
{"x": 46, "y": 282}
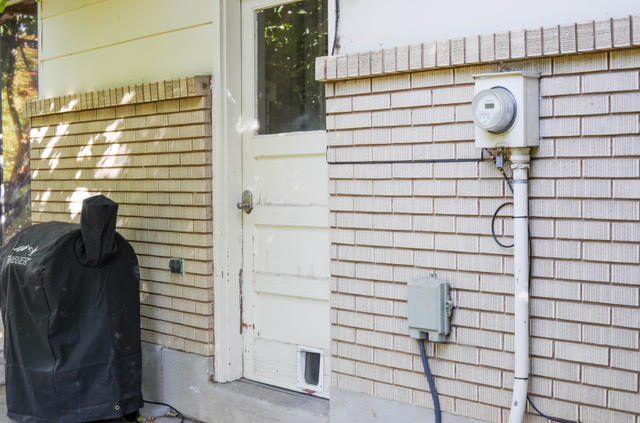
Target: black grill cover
{"x": 70, "y": 306}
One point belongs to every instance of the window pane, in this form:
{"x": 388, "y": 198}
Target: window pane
{"x": 290, "y": 37}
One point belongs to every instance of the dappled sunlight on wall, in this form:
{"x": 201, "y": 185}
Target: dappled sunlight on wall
{"x": 148, "y": 148}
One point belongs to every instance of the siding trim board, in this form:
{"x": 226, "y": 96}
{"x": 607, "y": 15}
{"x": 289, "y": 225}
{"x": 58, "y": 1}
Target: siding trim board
{"x": 557, "y": 40}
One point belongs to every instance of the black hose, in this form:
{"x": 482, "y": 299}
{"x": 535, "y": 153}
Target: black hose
{"x": 175, "y": 410}
{"x": 432, "y": 383}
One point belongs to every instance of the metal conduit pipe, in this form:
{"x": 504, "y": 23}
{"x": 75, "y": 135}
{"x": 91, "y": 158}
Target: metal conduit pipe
{"x": 520, "y": 165}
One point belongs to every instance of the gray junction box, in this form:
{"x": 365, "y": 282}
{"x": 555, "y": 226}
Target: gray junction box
{"x": 430, "y": 305}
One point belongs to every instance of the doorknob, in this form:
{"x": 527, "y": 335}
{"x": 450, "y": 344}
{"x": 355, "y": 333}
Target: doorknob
{"x": 246, "y": 204}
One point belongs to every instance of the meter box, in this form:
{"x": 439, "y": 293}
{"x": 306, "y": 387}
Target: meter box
{"x": 506, "y": 110}
{"x": 430, "y": 305}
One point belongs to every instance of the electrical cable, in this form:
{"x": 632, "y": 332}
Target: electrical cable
{"x": 175, "y": 410}
{"x": 335, "y": 29}
{"x": 493, "y": 221}
{"x": 498, "y": 159}
{"x": 432, "y": 383}
{"x": 553, "y": 419}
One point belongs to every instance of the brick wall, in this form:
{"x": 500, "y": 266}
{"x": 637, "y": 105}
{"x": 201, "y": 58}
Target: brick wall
{"x": 148, "y": 148}
{"x": 390, "y": 223}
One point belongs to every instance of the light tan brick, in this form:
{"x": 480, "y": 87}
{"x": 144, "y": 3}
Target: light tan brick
{"x": 578, "y": 64}
{"x": 608, "y": 82}
{"x": 625, "y": 401}
{"x": 626, "y": 189}
{"x": 580, "y": 393}
{"x": 610, "y": 336}
{"x": 582, "y": 353}
{"x": 611, "y": 252}
{"x": 432, "y": 78}
{"x": 582, "y": 312}
{"x": 391, "y": 83}
{"x": 559, "y": 127}
{"x": 595, "y": 415}
{"x": 370, "y": 102}
{"x": 618, "y": 295}
{"x": 451, "y": 95}
{"x": 626, "y": 317}
{"x": 581, "y": 105}
{"x": 625, "y": 359}
{"x": 430, "y": 115}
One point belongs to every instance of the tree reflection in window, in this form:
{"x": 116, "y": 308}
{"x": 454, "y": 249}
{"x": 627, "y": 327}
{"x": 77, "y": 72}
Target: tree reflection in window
{"x": 290, "y": 37}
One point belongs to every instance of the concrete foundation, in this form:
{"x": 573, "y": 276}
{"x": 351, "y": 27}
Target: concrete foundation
{"x": 182, "y": 380}
{"x": 354, "y": 407}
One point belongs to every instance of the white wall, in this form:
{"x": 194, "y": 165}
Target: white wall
{"x": 88, "y": 44}
{"x": 373, "y": 24}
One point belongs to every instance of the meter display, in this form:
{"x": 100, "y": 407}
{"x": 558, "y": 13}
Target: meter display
{"x": 494, "y": 110}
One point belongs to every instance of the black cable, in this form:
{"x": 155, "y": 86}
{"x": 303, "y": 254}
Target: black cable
{"x": 495, "y": 214}
{"x": 553, "y": 419}
{"x": 175, "y": 410}
{"x": 373, "y": 162}
{"x": 432, "y": 383}
{"x": 506, "y": 178}
{"x": 493, "y": 221}
{"x": 335, "y": 29}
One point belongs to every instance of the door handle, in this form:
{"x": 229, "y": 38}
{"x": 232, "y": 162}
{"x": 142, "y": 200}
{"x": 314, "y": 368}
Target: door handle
{"x": 246, "y": 205}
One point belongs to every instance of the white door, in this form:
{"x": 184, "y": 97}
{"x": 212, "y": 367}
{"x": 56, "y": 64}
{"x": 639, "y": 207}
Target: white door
{"x": 285, "y": 283}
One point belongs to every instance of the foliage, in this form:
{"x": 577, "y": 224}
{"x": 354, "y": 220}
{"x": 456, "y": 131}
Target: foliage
{"x": 19, "y": 84}
{"x": 3, "y": 4}
{"x": 294, "y": 35}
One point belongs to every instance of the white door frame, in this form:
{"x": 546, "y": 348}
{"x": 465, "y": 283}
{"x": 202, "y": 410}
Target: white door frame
{"x": 227, "y": 187}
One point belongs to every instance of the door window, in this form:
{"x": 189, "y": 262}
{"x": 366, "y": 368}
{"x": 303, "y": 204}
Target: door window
{"x": 290, "y": 37}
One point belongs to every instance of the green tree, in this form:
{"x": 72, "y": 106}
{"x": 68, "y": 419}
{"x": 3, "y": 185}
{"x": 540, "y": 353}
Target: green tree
{"x": 19, "y": 84}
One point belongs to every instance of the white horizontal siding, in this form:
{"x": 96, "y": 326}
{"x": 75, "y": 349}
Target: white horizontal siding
{"x": 89, "y": 45}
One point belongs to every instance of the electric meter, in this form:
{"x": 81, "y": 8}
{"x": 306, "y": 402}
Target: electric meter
{"x": 494, "y": 110}
{"x": 505, "y": 110}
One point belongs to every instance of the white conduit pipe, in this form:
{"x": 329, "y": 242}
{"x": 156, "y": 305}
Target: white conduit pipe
{"x": 520, "y": 165}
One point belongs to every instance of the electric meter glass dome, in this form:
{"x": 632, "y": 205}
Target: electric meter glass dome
{"x": 494, "y": 110}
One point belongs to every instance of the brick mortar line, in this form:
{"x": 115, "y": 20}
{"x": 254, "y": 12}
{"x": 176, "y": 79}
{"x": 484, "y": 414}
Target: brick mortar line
{"x": 501, "y": 388}
{"x": 173, "y": 219}
{"x": 116, "y": 116}
{"x": 484, "y": 366}
{"x": 176, "y": 284}
{"x": 450, "y": 105}
{"x": 179, "y": 311}
{"x": 136, "y": 216}
{"x": 173, "y": 297}
{"x": 500, "y": 331}
{"x": 194, "y": 86}
{"x": 177, "y": 336}
{"x": 165, "y": 154}
{"x": 168, "y": 322}
{"x": 70, "y": 124}
{"x": 143, "y": 128}
{"x": 147, "y": 217}
{"x": 83, "y": 145}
